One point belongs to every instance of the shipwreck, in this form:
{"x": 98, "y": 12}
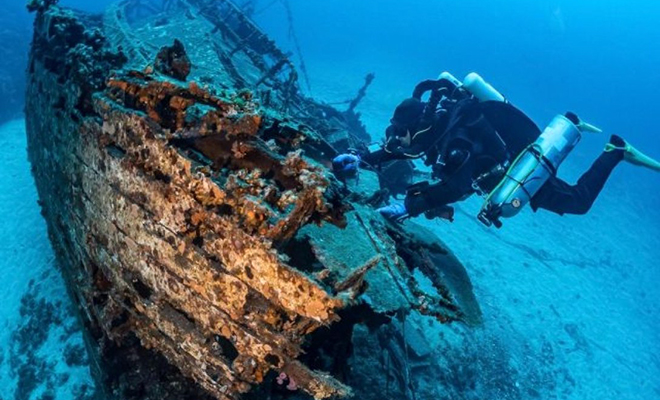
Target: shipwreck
{"x": 184, "y": 177}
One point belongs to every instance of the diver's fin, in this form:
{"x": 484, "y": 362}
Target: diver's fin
{"x": 587, "y": 127}
{"x": 634, "y": 156}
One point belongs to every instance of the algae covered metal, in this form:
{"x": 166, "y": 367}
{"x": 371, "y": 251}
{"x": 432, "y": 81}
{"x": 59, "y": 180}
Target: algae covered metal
{"x": 212, "y": 254}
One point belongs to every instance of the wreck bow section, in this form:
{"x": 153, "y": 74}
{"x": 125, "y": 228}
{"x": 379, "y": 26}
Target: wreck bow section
{"x": 206, "y": 244}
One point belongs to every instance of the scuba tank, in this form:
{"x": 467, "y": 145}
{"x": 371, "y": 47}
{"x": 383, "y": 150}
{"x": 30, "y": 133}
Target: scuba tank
{"x": 475, "y": 85}
{"x": 481, "y": 89}
{"x": 531, "y": 169}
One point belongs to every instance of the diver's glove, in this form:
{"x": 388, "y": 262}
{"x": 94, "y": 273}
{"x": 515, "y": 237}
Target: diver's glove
{"x": 394, "y": 211}
{"x": 346, "y": 165}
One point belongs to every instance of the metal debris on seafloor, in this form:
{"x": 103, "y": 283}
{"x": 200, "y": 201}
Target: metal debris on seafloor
{"x": 210, "y": 250}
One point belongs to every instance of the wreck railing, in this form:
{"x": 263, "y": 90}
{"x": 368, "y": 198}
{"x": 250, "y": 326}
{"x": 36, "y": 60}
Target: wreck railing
{"x": 232, "y": 34}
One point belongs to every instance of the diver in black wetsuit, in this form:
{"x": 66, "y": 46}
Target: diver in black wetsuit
{"x": 469, "y": 144}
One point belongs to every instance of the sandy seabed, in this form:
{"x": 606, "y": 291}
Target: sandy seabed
{"x": 41, "y": 350}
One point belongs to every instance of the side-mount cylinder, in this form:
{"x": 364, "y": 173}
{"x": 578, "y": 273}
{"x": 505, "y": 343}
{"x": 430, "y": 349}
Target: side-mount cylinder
{"x": 530, "y": 171}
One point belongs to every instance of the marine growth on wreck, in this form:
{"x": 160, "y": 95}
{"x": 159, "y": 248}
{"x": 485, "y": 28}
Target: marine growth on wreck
{"x": 185, "y": 181}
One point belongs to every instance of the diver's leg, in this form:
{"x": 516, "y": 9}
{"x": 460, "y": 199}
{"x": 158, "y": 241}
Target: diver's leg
{"x": 560, "y": 197}
{"x": 634, "y": 156}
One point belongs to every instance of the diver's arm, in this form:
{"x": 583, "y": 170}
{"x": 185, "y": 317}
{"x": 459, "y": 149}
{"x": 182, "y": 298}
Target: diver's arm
{"x": 383, "y": 155}
{"x": 425, "y": 197}
{"x": 375, "y": 158}
{"x": 394, "y": 149}
{"x": 369, "y": 159}
{"x": 413, "y": 146}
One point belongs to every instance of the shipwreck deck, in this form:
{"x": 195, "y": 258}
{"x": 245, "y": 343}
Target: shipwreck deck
{"x": 209, "y": 248}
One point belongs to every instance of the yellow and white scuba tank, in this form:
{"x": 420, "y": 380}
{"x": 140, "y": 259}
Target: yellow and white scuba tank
{"x": 531, "y": 170}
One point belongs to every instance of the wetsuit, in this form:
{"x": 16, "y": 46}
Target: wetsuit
{"x": 467, "y": 139}
{"x": 562, "y": 198}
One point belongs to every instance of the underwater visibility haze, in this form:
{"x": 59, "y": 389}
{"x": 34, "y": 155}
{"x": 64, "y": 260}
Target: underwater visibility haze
{"x": 240, "y": 266}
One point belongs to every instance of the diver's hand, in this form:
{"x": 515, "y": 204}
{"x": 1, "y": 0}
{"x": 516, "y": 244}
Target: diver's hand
{"x": 346, "y": 164}
{"x": 394, "y": 211}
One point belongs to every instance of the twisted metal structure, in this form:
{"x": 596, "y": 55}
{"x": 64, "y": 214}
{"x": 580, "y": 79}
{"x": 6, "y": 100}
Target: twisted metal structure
{"x": 210, "y": 250}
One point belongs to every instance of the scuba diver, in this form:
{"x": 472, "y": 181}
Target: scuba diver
{"x": 475, "y": 141}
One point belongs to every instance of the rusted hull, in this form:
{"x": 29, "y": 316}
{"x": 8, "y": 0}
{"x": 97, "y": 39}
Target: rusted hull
{"x": 201, "y": 235}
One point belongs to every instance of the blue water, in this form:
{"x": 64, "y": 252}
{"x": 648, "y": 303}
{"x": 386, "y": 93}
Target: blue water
{"x": 575, "y": 297}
